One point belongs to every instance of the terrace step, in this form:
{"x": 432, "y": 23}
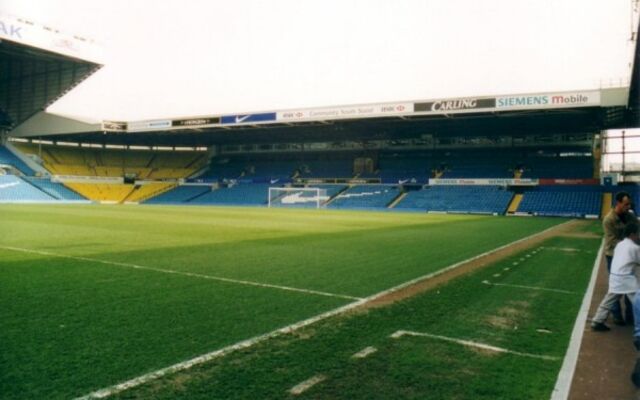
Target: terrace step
{"x": 515, "y": 202}
{"x": 606, "y": 204}
{"x": 397, "y": 200}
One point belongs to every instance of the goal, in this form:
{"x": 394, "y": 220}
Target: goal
{"x": 308, "y": 197}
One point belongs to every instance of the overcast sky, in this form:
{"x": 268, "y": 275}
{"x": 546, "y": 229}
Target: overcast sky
{"x": 166, "y": 58}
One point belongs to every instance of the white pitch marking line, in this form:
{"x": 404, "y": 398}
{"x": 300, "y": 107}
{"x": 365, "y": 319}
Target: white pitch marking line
{"x": 529, "y": 287}
{"x": 184, "y": 365}
{"x": 190, "y": 274}
{"x": 367, "y": 351}
{"x": 566, "y": 249}
{"x": 506, "y": 269}
{"x": 496, "y": 275}
{"x": 565, "y": 376}
{"x": 470, "y": 343}
{"x": 306, "y": 385}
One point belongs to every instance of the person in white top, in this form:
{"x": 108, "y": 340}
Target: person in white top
{"x": 622, "y": 279}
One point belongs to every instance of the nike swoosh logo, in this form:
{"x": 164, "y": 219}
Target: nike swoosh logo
{"x": 241, "y": 119}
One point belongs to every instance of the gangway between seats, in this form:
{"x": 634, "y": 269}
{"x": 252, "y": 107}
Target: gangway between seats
{"x": 397, "y": 200}
{"x": 606, "y": 204}
{"x": 515, "y": 202}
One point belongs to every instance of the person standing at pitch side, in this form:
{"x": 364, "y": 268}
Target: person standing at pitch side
{"x": 613, "y": 225}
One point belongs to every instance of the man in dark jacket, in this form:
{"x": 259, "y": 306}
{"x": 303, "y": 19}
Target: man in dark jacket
{"x": 613, "y": 225}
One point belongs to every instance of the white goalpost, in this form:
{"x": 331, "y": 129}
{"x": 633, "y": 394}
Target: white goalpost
{"x": 309, "y": 197}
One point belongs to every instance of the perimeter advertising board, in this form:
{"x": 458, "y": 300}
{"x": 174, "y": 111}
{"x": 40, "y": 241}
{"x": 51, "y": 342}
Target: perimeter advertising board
{"x": 548, "y": 100}
{"x": 345, "y": 112}
{"x": 399, "y": 109}
{"x": 488, "y": 181}
{"x": 510, "y": 103}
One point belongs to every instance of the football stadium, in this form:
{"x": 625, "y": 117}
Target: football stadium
{"x": 436, "y": 247}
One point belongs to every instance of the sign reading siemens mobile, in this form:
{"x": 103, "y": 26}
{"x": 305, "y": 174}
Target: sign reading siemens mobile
{"x": 248, "y": 118}
{"x": 444, "y": 106}
{"x": 549, "y": 100}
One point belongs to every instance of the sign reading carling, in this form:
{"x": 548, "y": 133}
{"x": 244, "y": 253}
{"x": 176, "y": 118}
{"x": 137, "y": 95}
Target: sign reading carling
{"x": 512, "y": 102}
{"x": 445, "y": 106}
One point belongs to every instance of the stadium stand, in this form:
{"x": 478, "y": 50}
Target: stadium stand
{"x": 245, "y": 180}
{"x": 14, "y": 189}
{"x": 8, "y": 158}
{"x": 54, "y": 189}
{"x": 340, "y": 168}
{"x": 366, "y": 196}
{"x": 103, "y": 192}
{"x": 397, "y": 168}
{"x": 270, "y": 170}
{"x": 178, "y": 195}
{"x": 241, "y": 194}
{"x": 222, "y": 169}
{"x": 148, "y": 190}
{"x": 331, "y": 190}
{"x": 560, "y": 164}
{"x": 565, "y": 201}
{"x": 80, "y": 161}
{"x": 458, "y": 199}
{"x": 478, "y": 164}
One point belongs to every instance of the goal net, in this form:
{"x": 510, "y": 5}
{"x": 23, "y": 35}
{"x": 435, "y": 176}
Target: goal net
{"x": 297, "y": 197}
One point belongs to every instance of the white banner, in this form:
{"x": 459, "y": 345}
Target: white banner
{"x": 87, "y": 179}
{"x": 488, "y": 181}
{"x": 548, "y": 100}
{"x": 159, "y": 124}
{"x": 345, "y": 112}
{"x": 44, "y": 37}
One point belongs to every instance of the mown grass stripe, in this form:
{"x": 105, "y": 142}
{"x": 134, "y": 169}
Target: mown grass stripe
{"x": 190, "y": 274}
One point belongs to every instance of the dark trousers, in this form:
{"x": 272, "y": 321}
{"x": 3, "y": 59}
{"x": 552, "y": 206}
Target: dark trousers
{"x": 616, "y": 309}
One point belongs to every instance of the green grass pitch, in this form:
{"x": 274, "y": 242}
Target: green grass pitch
{"x": 74, "y": 325}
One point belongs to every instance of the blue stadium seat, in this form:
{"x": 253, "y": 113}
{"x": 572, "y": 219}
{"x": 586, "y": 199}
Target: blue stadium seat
{"x": 566, "y": 201}
{"x": 458, "y": 199}
{"x": 54, "y": 189}
{"x": 179, "y": 195}
{"x": 7, "y": 157}
{"x": 14, "y": 189}
{"x": 366, "y": 196}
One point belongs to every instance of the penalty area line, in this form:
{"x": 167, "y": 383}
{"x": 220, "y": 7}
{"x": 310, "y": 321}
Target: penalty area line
{"x": 529, "y": 287}
{"x": 184, "y": 365}
{"x": 470, "y": 343}
{"x": 182, "y": 273}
